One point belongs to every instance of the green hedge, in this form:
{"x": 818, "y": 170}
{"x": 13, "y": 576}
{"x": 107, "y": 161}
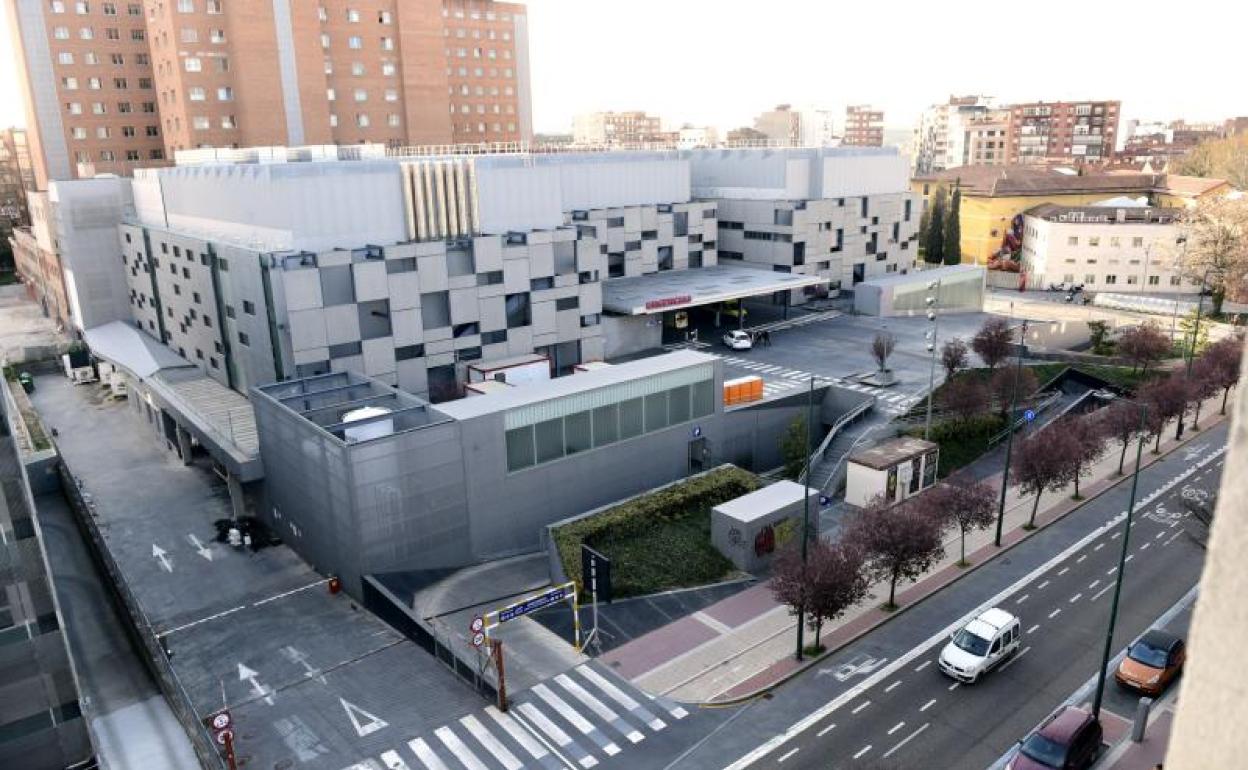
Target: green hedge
{"x": 962, "y": 441}
{"x": 661, "y": 540}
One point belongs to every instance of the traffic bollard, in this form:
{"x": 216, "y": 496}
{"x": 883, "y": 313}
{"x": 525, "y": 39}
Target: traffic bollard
{"x": 1141, "y": 719}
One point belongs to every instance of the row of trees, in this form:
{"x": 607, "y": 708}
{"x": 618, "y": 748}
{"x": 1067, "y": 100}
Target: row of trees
{"x": 942, "y": 227}
{"x": 1063, "y": 453}
{"x": 880, "y": 543}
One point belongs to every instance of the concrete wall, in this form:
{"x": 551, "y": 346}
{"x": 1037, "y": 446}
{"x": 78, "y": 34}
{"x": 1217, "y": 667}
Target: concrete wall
{"x": 625, "y": 335}
{"x": 86, "y": 215}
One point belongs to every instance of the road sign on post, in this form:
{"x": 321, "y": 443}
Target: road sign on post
{"x": 222, "y": 724}
{"x": 1029, "y": 415}
{"x": 596, "y": 573}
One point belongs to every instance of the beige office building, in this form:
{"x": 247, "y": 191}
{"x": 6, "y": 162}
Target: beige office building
{"x": 112, "y": 86}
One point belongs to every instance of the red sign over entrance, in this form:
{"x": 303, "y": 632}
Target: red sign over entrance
{"x": 677, "y": 299}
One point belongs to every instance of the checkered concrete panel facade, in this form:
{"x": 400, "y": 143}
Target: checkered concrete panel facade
{"x": 638, "y": 240}
{"x": 828, "y": 237}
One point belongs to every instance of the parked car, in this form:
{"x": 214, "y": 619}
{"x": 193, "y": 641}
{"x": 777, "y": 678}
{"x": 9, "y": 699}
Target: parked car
{"x": 1070, "y": 739}
{"x": 1152, "y": 663}
{"x": 738, "y": 340}
{"x": 981, "y": 645}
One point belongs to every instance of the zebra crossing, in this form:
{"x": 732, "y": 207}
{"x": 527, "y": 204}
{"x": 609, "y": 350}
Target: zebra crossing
{"x": 579, "y": 718}
{"x": 779, "y": 379}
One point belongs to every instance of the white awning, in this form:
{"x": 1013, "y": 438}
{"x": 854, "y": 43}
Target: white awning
{"x": 676, "y": 289}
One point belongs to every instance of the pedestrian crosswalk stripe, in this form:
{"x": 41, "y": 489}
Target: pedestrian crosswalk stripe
{"x": 621, "y": 697}
{"x": 393, "y": 761}
{"x": 561, "y": 739}
{"x": 459, "y": 749}
{"x": 521, "y": 736}
{"x": 491, "y": 744}
{"x": 578, "y": 721}
{"x": 599, "y": 708}
{"x": 426, "y": 755}
{"x": 671, "y": 706}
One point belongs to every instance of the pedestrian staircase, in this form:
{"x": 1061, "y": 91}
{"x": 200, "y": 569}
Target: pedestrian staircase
{"x": 841, "y": 439}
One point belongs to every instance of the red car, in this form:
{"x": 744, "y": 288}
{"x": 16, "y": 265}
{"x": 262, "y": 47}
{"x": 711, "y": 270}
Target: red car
{"x": 1070, "y": 739}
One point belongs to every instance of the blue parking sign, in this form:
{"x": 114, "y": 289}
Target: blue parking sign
{"x": 1029, "y": 415}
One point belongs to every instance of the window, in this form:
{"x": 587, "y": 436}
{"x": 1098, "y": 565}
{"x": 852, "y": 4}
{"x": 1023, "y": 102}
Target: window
{"x": 567, "y": 303}
{"x": 357, "y": 68}
{"x": 73, "y": 108}
{"x": 216, "y": 36}
{"x": 1094, "y": 241}
{"x": 354, "y": 42}
{"x": 387, "y": 44}
{"x": 1175, "y": 280}
{"x": 117, "y": 59}
{"x": 1072, "y": 240}
{"x": 61, "y": 33}
{"x": 1154, "y": 280}
{"x": 195, "y": 93}
{"x": 69, "y": 84}
{"x": 331, "y": 94}
{"x": 86, "y": 33}
{"x": 200, "y": 123}
{"x": 102, "y": 132}
{"x": 249, "y": 307}
{"x": 387, "y": 68}
{"x": 1137, "y": 242}
{"x": 361, "y": 95}
{"x": 361, "y": 120}
{"x": 214, "y": 6}
{"x": 186, "y": 6}
{"x": 190, "y": 35}
{"x": 152, "y": 130}
{"x": 353, "y": 16}
{"x": 392, "y": 120}
{"x": 94, "y": 84}
{"x": 225, "y": 94}
{"x": 1089, "y": 279}
{"x": 192, "y": 64}
{"x": 392, "y": 95}
{"x": 227, "y": 121}
{"x": 137, "y": 34}
{"x": 65, "y": 57}
{"x": 127, "y": 131}
{"x": 1115, "y": 241}
{"x": 1111, "y": 279}
{"x": 325, "y": 44}
{"x": 245, "y": 341}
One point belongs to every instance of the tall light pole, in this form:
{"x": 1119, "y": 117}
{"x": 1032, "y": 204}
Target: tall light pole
{"x": 1009, "y": 427}
{"x": 810, "y": 427}
{"x": 1122, "y": 564}
{"x": 933, "y": 304}
{"x": 1191, "y": 353}
{"x": 1178, "y": 266}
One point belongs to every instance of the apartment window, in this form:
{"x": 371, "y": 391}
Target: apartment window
{"x": 325, "y": 44}
{"x": 127, "y": 131}
{"x": 98, "y": 108}
{"x": 392, "y": 95}
{"x": 223, "y": 64}
{"x": 354, "y": 42}
{"x": 138, "y": 34}
{"x": 361, "y": 120}
{"x": 200, "y": 123}
{"x": 216, "y": 36}
{"x": 192, "y": 64}
{"x": 1089, "y": 279}
{"x": 116, "y": 59}
{"x": 333, "y": 121}
{"x": 383, "y": 17}
{"x": 107, "y": 155}
{"x": 102, "y": 132}
{"x": 80, "y": 132}
{"x": 214, "y": 6}
{"x": 387, "y": 44}
{"x": 331, "y": 94}
{"x": 65, "y": 57}
{"x": 1154, "y": 280}
{"x": 360, "y": 95}
{"x": 60, "y": 33}
{"x": 245, "y": 341}
{"x": 387, "y": 68}
{"x": 74, "y": 108}
{"x": 94, "y": 84}
{"x": 225, "y": 94}
{"x": 195, "y": 93}
{"x": 1137, "y": 242}
{"x": 1115, "y": 242}
{"x": 134, "y": 9}
{"x": 120, "y": 84}
{"x": 227, "y": 121}
{"x": 1094, "y": 241}
{"x": 1111, "y": 279}
{"x": 1072, "y": 240}
{"x": 69, "y": 84}
{"x": 82, "y": 8}
{"x": 353, "y": 16}
{"x": 392, "y": 120}
{"x": 58, "y": 6}
{"x": 357, "y": 68}
{"x": 186, "y": 6}
{"x": 149, "y": 107}
{"x": 189, "y": 35}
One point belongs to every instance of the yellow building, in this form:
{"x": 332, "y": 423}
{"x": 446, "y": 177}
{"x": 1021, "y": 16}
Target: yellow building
{"x": 993, "y": 195}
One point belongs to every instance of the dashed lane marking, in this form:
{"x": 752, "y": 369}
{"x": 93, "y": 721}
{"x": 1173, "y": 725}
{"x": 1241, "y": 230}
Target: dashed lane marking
{"x": 922, "y": 666}
{"x": 861, "y": 706}
{"x": 1055, "y": 613}
{"x": 826, "y": 730}
{"x": 1032, "y": 630}
{"x": 862, "y": 751}
{"x": 896, "y": 727}
{"x": 788, "y": 754}
{"x": 906, "y": 740}
{"x": 927, "y": 705}
{"x": 892, "y": 686}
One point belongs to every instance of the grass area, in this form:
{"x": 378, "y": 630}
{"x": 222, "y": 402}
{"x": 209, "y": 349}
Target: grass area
{"x": 34, "y": 427}
{"x": 661, "y": 540}
{"x": 961, "y": 441}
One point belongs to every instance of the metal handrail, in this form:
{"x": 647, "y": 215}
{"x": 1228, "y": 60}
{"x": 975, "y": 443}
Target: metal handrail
{"x": 1040, "y": 406}
{"x": 841, "y": 422}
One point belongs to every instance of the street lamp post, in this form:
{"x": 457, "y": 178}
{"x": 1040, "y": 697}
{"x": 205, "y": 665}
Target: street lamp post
{"x": 1191, "y": 352}
{"x": 1009, "y": 427}
{"x": 810, "y": 426}
{"x": 933, "y": 304}
{"x": 1177, "y": 266}
{"x": 1122, "y": 563}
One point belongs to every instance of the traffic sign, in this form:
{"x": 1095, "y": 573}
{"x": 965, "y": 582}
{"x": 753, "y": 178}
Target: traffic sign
{"x": 478, "y": 639}
{"x": 536, "y": 602}
{"x": 697, "y": 431}
{"x": 596, "y": 573}
{"x": 225, "y": 737}
{"x": 477, "y": 625}
{"x": 824, "y": 501}
{"x": 1029, "y": 415}
{"x": 221, "y": 720}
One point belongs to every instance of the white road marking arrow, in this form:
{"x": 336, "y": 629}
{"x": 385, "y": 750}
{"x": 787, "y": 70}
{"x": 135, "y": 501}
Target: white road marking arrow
{"x": 249, "y": 675}
{"x": 199, "y": 547}
{"x": 162, "y": 556}
{"x": 300, "y": 658}
{"x": 354, "y": 712}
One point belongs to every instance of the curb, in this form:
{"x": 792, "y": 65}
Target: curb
{"x": 811, "y": 661}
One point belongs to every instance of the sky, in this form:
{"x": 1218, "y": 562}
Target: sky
{"x": 720, "y": 62}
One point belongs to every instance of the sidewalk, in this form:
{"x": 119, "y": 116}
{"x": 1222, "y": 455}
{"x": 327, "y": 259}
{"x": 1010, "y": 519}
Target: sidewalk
{"x": 743, "y": 644}
{"x": 1148, "y": 753}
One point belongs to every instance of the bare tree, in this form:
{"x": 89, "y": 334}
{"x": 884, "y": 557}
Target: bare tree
{"x": 1120, "y": 422}
{"x": 1143, "y": 345}
{"x": 961, "y": 502}
{"x": 1088, "y": 446}
{"x": 953, "y": 357}
{"x": 832, "y": 579}
{"x": 1217, "y": 245}
{"x": 992, "y": 342}
{"x": 881, "y": 348}
{"x": 1002, "y": 385}
{"x": 965, "y": 397}
{"x": 1225, "y": 355}
{"x": 901, "y": 541}
{"x": 1043, "y": 465}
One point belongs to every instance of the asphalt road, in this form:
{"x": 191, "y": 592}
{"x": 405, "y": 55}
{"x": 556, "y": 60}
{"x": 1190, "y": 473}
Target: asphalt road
{"x": 893, "y": 709}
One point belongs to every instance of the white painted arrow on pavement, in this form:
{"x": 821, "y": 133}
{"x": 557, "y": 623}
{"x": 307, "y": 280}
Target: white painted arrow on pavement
{"x": 199, "y": 547}
{"x": 249, "y": 675}
{"x": 300, "y": 658}
{"x": 162, "y": 556}
{"x": 372, "y": 723}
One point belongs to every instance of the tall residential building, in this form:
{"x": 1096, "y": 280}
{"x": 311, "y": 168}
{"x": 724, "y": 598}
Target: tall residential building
{"x": 616, "y": 128}
{"x": 122, "y": 85}
{"x": 818, "y": 128}
{"x": 864, "y": 126}
{"x": 956, "y": 132}
{"x": 782, "y": 126}
{"x": 1063, "y": 132}
{"x": 87, "y": 82}
{"x": 695, "y": 137}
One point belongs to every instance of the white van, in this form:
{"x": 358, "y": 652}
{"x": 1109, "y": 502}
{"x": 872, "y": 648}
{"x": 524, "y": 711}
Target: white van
{"x": 978, "y": 647}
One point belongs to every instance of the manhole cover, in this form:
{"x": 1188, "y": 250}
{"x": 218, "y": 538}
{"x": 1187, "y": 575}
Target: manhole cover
{"x": 284, "y": 764}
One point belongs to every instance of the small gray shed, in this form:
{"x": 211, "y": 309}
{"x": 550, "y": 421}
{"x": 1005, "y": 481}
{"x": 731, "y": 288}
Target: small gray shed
{"x": 751, "y": 528}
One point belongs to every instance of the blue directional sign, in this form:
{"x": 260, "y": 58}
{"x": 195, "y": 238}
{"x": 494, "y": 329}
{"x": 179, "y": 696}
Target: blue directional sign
{"x": 534, "y": 603}
{"x": 697, "y": 431}
{"x": 1029, "y": 415}
{"x": 824, "y": 501}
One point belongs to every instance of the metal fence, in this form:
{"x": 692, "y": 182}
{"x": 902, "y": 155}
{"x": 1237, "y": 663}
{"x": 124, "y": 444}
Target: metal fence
{"x": 140, "y": 630}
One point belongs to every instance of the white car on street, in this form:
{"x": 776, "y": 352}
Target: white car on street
{"x": 738, "y": 340}
{"x": 981, "y": 645}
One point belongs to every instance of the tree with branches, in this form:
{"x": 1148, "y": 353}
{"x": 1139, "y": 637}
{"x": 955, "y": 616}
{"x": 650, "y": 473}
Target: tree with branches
{"x": 1043, "y": 465}
{"x": 832, "y": 579}
{"x": 992, "y": 342}
{"x": 881, "y": 348}
{"x": 1201, "y": 385}
{"x": 794, "y": 446}
{"x": 1143, "y": 345}
{"x": 953, "y": 228}
{"x": 964, "y": 398}
{"x": 962, "y": 502}
{"x": 1120, "y": 422}
{"x": 1087, "y": 446}
{"x": 1216, "y": 229}
{"x": 1002, "y": 385}
{"x": 898, "y": 542}
{"x": 1225, "y": 355}
{"x": 1166, "y": 397}
{"x": 953, "y": 357}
